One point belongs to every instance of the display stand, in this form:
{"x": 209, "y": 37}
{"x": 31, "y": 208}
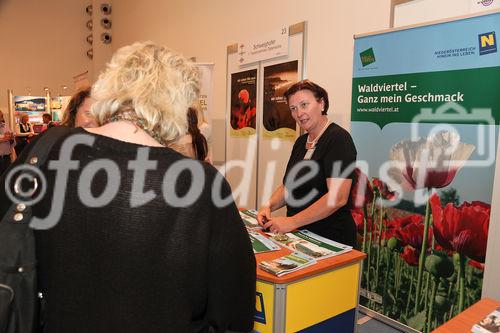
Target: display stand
{"x": 255, "y": 163}
{"x": 319, "y": 298}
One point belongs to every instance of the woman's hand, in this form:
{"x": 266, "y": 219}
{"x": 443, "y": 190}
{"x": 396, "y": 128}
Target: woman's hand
{"x": 280, "y": 225}
{"x": 263, "y": 215}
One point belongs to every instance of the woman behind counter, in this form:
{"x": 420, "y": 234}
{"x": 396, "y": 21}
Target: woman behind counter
{"x": 319, "y": 174}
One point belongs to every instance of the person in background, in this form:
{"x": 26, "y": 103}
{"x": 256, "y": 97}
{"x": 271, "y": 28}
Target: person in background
{"x": 24, "y": 134}
{"x": 7, "y": 144}
{"x": 316, "y": 187}
{"x": 77, "y": 113}
{"x": 47, "y": 122}
{"x": 148, "y": 258}
{"x": 203, "y": 125}
{"x": 193, "y": 144}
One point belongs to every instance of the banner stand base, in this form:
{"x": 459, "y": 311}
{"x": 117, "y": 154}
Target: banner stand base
{"x": 386, "y": 320}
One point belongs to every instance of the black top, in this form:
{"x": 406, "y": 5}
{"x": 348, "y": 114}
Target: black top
{"x": 25, "y": 128}
{"x": 151, "y": 268}
{"x": 334, "y": 157}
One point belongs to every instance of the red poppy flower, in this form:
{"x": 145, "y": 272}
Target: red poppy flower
{"x": 358, "y": 216}
{"x": 388, "y": 233}
{"x": 383, "y": 190}
{"x": 402, "y": 222}
{"x": 362, "y": 191}
{"x": 476, "y": 264}
{"x": 410, "y": 255}
{"x": 413, "y": 233}
{"x": 463, "y": 229}
{"x": 438, "y": 247}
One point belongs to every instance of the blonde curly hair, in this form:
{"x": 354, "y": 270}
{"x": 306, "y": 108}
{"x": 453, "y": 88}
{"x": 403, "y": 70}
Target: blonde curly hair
{"x": 151, "y": 84}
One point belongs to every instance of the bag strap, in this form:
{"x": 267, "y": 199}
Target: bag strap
{"x": 44, "y": 144}
{"x": 36, "y": 156}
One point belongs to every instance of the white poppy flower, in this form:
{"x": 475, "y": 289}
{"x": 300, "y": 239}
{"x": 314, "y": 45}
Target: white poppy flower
{"x": 430, "y": 162}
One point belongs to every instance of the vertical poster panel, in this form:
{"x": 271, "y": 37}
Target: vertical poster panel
{"x": 58, "y": 105}
{"x": 206, "y": 97}
{"x": 277, "y": 118}
{"x": 425, "y": 114}
{"x": 243, "y": 103}
{"x": 206, "y": 90}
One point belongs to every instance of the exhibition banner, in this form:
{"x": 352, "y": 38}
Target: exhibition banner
{"x": 277, "y": 118}
{"x": 425, "y": 115}
{"x": 243, "y": 103}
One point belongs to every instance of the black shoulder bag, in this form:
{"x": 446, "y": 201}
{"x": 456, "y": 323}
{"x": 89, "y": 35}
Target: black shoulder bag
{"x": 19, "y": 304}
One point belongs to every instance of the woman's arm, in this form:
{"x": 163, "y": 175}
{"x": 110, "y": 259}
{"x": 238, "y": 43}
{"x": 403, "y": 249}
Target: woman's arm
{"x": 5, "y": 137}
{"x": 276, "y": 201}
{"x": 336, "y": 197}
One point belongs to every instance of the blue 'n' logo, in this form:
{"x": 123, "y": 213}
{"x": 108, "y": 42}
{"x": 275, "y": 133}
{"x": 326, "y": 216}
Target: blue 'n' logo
{"x": 487, "y": 43}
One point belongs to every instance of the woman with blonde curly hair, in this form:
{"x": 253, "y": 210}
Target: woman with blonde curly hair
{"x": 140, "y": 244}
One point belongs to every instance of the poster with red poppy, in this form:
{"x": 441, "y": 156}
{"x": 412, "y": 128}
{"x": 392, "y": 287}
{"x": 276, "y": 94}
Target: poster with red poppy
{"x": 426, "y": 125}
{"x": 277, "y": 118}
{"x": 243, "y": 103}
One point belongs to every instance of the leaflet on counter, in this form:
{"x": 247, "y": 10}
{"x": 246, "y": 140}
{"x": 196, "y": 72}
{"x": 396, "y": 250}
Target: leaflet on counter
{"x": 287, "y": 264}
{"x": 249, "y": 218}
{"x": 489, "y": 324}
{"x": 310, "y": 244}
{"x": 261, "y": 243}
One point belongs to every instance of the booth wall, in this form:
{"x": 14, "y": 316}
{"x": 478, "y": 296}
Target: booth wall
{"x": 102, "y": 52}
{"x": 43, "y": 45}
{"x": 203, "y": 29}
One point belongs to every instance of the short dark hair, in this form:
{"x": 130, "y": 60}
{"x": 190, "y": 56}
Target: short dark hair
{"x": 47, "y": 116}
{"x": 76, "y": 101}
{"x": 318, "y": 92}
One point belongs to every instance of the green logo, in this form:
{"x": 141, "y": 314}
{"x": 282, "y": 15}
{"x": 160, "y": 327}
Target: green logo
{"x": 367, "y": 57}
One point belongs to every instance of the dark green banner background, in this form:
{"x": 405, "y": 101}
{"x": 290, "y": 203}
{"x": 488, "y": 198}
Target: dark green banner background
{"x": 478, "y": 86}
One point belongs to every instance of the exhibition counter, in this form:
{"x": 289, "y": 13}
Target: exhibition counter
{"x": 318, "y": 298}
